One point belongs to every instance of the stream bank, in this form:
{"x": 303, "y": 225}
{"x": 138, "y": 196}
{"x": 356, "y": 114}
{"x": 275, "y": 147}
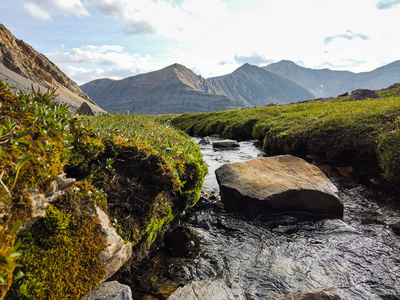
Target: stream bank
{"x": 358, "y": 255}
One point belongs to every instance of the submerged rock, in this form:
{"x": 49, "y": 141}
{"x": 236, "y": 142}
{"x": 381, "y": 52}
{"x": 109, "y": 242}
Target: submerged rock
{"x": 278, "y": 184}
{"x": 111, "y": 290}
{"x": 225, "y": 144}
{"x": 208, "y": 290}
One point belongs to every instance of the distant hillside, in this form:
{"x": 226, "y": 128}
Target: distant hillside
{"x": 21, "y": 65}
{"x": 327, "y": 83}
{"x": 177, "y": 89}
{"x": 252, "y": 86}
{"x": 174, "y": 89}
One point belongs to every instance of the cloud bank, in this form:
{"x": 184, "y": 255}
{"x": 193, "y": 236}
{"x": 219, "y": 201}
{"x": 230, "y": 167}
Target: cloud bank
{"x": 387, "y": 4}
{"x": 45, "y": 9}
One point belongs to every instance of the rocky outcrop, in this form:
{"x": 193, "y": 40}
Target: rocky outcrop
{"x": 111, "y": 290}
{"x": 225, "y": 144}
{"x": 208, "y": 290}
{"x": 326, "y": 294}
{"x": 85, "y": 110}
{"x": 279, "y": 184}
{"x": 118, "y": 252}
{"x": 362, "y": 94}
{"x": 40, "y": 202}
{"x": 18, "y": 57}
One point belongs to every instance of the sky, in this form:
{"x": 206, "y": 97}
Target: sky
{"x": 92, "y": 39}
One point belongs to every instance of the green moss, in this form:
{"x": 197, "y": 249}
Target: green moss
{"x": 59, "y": 252}
{"x": 150, "y": 173}
{"x": 34, "y": 146}
{"x": 389, "y": 154}
{"x": 87, "y": 145}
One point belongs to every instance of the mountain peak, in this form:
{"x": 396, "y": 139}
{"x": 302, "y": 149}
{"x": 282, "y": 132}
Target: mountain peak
{"x": 246, "y": 68}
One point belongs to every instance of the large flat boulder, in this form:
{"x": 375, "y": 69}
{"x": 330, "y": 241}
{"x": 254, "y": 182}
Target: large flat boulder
{"x": 279, "y": 184}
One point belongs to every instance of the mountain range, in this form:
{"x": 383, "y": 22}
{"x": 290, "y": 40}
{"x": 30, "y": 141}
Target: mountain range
{"x": 177, "y": 89}
{"x": 327, "y": 83}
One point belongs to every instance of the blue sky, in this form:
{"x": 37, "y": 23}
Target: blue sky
{"x": 90, "y": 39}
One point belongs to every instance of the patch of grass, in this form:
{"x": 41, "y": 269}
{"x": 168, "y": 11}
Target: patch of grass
{"x": 330, "y": 130}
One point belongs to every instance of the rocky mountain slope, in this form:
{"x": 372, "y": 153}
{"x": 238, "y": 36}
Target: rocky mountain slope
{"x": 328, "y": 83}
{"x": 21, "y": 66}
{"x": 174, "y": 89}
{"x": 177, "y": 89}
{"x": 252, "y": 86}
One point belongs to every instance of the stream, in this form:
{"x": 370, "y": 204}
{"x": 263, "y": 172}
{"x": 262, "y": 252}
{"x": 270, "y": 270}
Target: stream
{"x": 359, "y": 255}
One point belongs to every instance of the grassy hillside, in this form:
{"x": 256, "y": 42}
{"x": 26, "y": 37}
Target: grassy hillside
{"x": 140, "y": 173}
{"x": 361, "y": 133}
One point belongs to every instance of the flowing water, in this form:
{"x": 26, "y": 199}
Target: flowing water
{"x": 359, "y": 255}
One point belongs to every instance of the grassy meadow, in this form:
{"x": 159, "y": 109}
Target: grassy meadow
{"x": 336, "y": 130}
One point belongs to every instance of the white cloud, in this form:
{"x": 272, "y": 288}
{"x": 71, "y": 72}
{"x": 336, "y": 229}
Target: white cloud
{"x": 349, "y": 35}
{"x": 187, "y": 20}
{"x": 37, "y": 12}
{"x": 90, "y": 62}
{"x": 44, "y": 9}
{"x": 214, "y": 37}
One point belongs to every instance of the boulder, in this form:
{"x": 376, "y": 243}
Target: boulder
{"x": 205, "y": 141}
{"x": 111, "y": 290}
{"x": 208, "y": 290}
{"x": 118, "y": 252}
{"x": 277, "y": 185}
{"x": 326, "y": 294}
{"x": 85, "y": 110}
{"x": 362, "y": 94}
{"x": 225, "y": 144}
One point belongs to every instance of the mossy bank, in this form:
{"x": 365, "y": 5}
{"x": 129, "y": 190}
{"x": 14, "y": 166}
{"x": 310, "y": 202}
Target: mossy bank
{"x": 141, "y": 173}
{"x": 364, "y": 134}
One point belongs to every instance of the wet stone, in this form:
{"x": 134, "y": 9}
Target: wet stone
{"x": 277, "y": 185}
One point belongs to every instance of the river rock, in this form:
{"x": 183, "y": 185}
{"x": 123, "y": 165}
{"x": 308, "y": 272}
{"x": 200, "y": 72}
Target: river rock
{"x": 326, "y": 294}
{"x": 205, "y": 141}
{"x": 278, "y": 184}
{"x": 225, "y": 144}
{"x": 111, "y": 290}
{"x": 118, "y": 252}
{"x": 208, "y": 290}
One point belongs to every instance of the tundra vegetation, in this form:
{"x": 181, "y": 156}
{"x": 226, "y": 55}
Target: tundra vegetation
{"x": 141, "y": 173}
{"x": 363, "y": 133}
